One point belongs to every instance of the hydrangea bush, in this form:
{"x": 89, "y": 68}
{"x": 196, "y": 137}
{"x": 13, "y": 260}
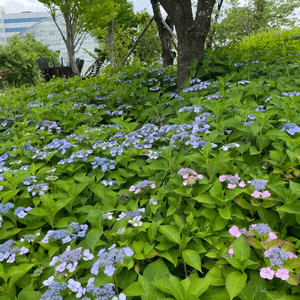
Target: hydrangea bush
{"x": 116, "y": 187}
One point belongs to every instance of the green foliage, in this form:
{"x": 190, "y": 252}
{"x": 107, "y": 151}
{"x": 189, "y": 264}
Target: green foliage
{"x": 125, "y": 35}
{"x": 19, "y": 57}
{"x": 270, "y": 40}
{"x": 241, "y": 20}
{"x": 175, "y": 183}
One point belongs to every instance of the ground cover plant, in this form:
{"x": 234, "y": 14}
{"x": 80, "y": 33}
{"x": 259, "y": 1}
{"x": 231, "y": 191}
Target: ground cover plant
{"x": 118, "y": 188}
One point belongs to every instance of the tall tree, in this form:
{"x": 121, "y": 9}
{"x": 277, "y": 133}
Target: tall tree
{"x": 191, "y": 32}
{"x": 123, "y": 16}
{"x": 165, "y": 35}
{"x": 126, "y": 34}
{"x": 81, "y": 17}
{"x": 244, "y": 19}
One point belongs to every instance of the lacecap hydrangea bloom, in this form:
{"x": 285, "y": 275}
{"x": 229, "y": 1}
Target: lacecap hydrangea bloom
{"x": 233, "y": 181}
{"x": 109, "y": 259}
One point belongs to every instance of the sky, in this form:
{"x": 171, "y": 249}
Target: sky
{"x": 16, "y": 6}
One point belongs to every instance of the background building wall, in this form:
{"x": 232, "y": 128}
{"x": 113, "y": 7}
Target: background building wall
{"x": 46, "y": 32}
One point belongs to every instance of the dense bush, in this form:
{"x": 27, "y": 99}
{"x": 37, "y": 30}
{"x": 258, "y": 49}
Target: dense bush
{"x": 270, "y": 40}
{"x": 119, "y": 186}
{"x": 19, "y": 56}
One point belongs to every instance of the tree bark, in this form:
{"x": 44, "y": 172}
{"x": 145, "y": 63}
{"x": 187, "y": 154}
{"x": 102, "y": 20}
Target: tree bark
{"x": 259, "y": 9}
{"x": 70, "y": 44}
{"x": 111, "y": 42}
{"x": 210, "y": 38}
{"x": 166, "y": 37}
{"x": 191, "y": 33}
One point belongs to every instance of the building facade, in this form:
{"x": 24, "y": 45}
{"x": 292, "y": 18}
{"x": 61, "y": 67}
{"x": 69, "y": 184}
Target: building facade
{"x": 44, "y": 30}
{"x": 11, "y": 24}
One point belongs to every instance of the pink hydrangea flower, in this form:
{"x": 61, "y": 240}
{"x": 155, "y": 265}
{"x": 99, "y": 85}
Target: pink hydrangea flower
{"x": 132, "y": 188}
{"x": 265, "y": 194}
{"x": 267, "y": 273}
{"x": 153, "y": 186}
{"x": 200, "y": 176}
{"x": 222, "y": 178}
{"x": 283, "y": 274}
{"x": 231, "y": 186}
{"x": 256, "y": 194}
{"x": 185, "y": 176}
{"x": 230, "y": 251}
{"x": 272, "y": 236}
{"x": 137, "y": 190}
{"x": 291, "y": 255}
{"x": 242, "y": 184}
{"x": 234, "y": 231}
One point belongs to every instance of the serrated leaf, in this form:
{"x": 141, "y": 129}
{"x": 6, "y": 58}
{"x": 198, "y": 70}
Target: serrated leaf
{"x": 241, "y": 249}
{"x": 177, "y": 288}
{"x": 170, "y": 232}
{"x": 235, "y": 283}
{"x": 192, "y": 258}
{"x": 156, "y": 270}
{"x": 135, "y": 289}
{"x": 198, "y": 287}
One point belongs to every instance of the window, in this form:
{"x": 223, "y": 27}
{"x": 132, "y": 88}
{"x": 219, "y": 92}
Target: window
{"x": 19, "y": 29}
{"x": 24, "y": 20}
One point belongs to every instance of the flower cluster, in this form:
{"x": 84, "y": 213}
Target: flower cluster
{"x": 109, "y": 259}
{"x": 21, "y": 212}
{"x": 233, "y": 181}
{"x": 104, "y": 163}
{"x": 142, "y": 186}
{"x": 276, "y": 255}
{"x": 83, "y": 154}
{"x": 189, "y": 175}
{"x": 9, "y": 253}
{"x": 229, "y": 146}
{"x": 49, "y": 125}
{"x": 290, "y": 128}
{"x": 261, "y": 229}
{"x": 259, "y": 186}
{"x": 38, "y": 189}
{"x": 69, "y": 259}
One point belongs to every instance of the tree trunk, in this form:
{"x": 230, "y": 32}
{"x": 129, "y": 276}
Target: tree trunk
{"x": 210, "y": 38}
{"x": 258, "y": 15}
{"x": 70, "y": 44}
{"x": 111, "y": 42}
{"x": 191, "y": 33}
{"x": 166, "y": 37}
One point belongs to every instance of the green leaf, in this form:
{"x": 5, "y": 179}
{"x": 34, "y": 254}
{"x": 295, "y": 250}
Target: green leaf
{"x": 156, "y": 270}
{"x": 234, "y": 262}
{"x": 295, "y": 187}
{"x": 29, "y": 294}
{"x": 171, "y": 232}
{"x": 177, "y": 288}
{"x": 164, "y": 285}
{"x": 235, "y": 282}
{"x": 135, "y": 289}
{"x": 220, "y": 223}
{"x": 241, "y": 249}
{"x": 192, "y": 258}
{"x": 93, "y": 237}
{"x": 215, "y": 293}
{"x": 17, "y": 272}
{"x": 252, "y": 290}
{"x": 205, "y": 198}
{"x": 290, "y": 208}
{"x": 215, "y": 277}
{"x": 198, "y": 287}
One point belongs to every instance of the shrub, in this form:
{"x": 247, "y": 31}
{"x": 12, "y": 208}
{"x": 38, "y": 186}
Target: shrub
{"x": 119, "y": 186}
{"x": 269, "y": 40}
{"x": 19, "y": 56}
